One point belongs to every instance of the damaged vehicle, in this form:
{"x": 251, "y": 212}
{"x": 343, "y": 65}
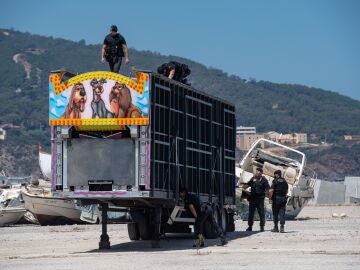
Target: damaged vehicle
{"x": 272, "y": 156}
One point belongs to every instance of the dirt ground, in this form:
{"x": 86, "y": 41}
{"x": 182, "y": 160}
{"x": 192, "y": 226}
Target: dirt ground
{"x": 315, "y": 241}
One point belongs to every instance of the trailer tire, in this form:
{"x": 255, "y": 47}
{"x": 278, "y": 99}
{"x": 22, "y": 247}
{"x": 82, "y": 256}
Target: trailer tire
{"x": 224, "y": 220}
{"x": 133, "y": 231}
{"x": 144, "y": 230}
{"x": 230, "y": 227}
{"x": 209, "y": 230}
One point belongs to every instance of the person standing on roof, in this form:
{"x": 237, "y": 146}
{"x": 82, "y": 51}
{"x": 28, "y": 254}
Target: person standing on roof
{"x": 114, "y": 49}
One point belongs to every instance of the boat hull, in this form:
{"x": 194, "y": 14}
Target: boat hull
{"x": 50, "y": 210}
{"x": 11, "y": 216}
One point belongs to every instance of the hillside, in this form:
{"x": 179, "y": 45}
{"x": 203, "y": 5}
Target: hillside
{"x": 27, "y": 59}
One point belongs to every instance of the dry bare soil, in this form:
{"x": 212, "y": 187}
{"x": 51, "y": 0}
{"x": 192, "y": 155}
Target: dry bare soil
{"x": 315, "y": 241}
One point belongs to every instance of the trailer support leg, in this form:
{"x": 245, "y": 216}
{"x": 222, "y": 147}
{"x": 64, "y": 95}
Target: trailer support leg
{"x": 156, "y": 217}
{"x": 104, "y": 238}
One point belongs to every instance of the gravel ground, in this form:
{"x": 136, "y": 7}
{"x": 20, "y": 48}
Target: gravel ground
{"x": 315, "y": 241}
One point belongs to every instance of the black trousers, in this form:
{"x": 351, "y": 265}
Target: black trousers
{"x": 278, "y": 213}
{"x": 256, "y": 203}
{"x": 204, "y": 216}
{"x": 115, "y": 64}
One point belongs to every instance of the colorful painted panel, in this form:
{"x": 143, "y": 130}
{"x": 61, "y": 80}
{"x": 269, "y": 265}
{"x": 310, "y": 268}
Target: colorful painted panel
{"x": 98, "y": 99}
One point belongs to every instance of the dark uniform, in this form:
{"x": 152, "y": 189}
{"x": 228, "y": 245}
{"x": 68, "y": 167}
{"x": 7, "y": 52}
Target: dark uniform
{"x": 114, "y": 51}
{"x": 203, "y": 214}
{"x": 280, "y": 187}
{"x": 181, "y": 71}
{"x": 257, "y": 197}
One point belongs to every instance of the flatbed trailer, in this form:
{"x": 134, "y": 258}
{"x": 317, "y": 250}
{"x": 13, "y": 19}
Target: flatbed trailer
{"x": 134, "y": 142}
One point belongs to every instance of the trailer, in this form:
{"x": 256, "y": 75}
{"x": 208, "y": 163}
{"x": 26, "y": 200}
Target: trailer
{"x": 134, "y": 142}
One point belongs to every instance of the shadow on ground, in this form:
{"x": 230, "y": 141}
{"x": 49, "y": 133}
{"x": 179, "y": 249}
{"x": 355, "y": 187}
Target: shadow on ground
{"x": 170, "y": 242}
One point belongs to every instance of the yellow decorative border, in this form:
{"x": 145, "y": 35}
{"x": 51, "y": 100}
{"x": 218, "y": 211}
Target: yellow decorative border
{"x": 98, "y": 121}
{"x": 138, "y": 86}
{"x": 99, "y": 128}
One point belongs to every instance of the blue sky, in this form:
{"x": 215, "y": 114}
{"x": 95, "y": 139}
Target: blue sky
{"x": 315, "y": 43}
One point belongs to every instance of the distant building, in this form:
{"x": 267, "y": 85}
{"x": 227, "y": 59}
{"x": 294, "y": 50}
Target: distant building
{"x": 241, "y": 130}
{"x": 352, "y": 137}
{"x": 2, "y": 134}
{"x": 272, "y": 136}
{"x": 301, "y": 138}
{"x": 293, "y": 138}
{"x": 245, "y": 141}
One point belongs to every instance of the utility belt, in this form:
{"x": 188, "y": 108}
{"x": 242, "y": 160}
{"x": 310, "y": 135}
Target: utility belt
{"x": 112, "y": 58}
{"x": 112, "y": 54}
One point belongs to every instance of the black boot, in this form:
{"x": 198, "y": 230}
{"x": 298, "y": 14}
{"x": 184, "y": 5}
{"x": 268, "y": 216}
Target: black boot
{"x": 223, "y": 241}
{"x": 275, "y": 229}
{"x": 282, "y": 228}
{"x": 249, "y": 229}
{"x": 262, "y": 229}
{"x": 199, "y": 241}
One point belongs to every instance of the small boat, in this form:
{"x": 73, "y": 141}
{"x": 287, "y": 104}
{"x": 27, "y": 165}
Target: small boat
{"x": 42, "y": 204}
{"x": 11, "y": 206}
{"x": 11, "y": 215}
{"x": 50, "y": 210}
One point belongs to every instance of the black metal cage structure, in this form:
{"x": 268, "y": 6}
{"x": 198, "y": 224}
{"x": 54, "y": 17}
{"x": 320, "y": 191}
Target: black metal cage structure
{"x": 193, "y": 139}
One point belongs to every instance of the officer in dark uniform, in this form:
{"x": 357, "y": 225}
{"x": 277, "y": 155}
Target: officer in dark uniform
{"x": 278, "y": 191}
{"x": 114, "y": 49}
{"x": 201, "y": 214}
{"x": 175, "y": 71}
{"x": 259, "y": 187}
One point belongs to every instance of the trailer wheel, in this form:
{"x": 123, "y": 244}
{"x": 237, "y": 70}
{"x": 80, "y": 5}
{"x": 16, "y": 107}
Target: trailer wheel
{"x": 230, "y": 221}
{"x": 133, "y": 231}
{"x": 144, "y": 230}
{"x": 209, "y": 230}
{"x": 224, "y": 220}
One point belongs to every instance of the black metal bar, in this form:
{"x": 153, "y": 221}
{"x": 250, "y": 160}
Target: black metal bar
{"x": 104, "y": 238}
{"x": 211, "y": 158}
{"x": 222, "y": 154}
{"x": 169, "y": 140}
{"x": 198, "y": 155}
{"x": 152, "y": 114}
{"x": 156, "y": 222}
{"x": 185, "y": 125}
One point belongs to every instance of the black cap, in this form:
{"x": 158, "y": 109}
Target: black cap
{"x": 183, "y": 189}
{"x": 278, "y": 172}
{"x": 259, "y": 169}
{"x": 113, "y": 28}
{"x": 160, "y": 69}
